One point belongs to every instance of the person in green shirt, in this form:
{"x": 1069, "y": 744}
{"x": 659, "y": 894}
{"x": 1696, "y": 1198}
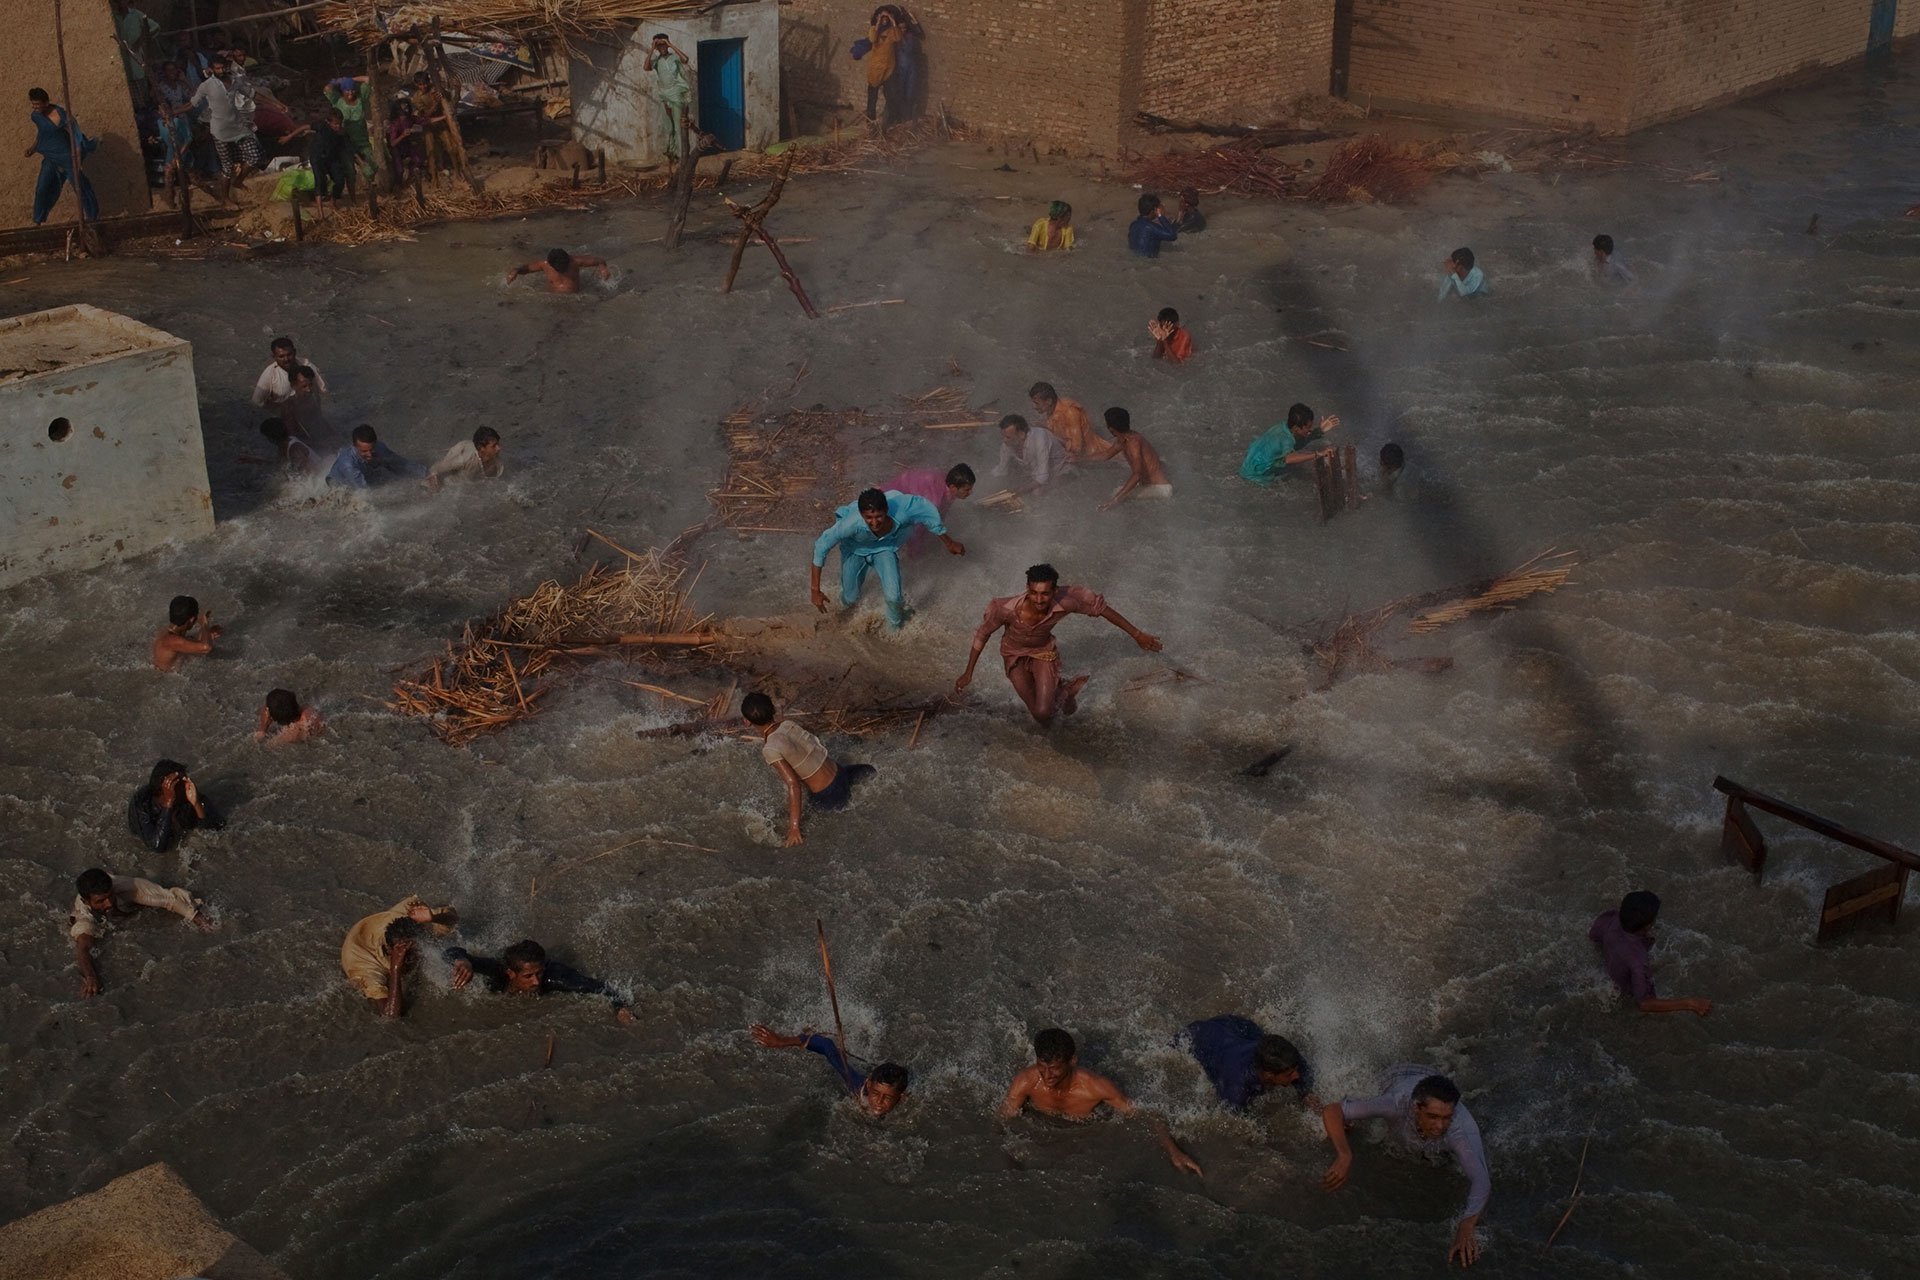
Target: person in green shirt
{"x": 672, "y": 87}
{"x": 134, "y": 28}
{"x": 344, "y": 96}
{"x": 1287, "y": 445}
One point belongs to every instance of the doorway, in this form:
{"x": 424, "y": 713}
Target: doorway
{"x": 1880, "y": 25}
{"x": 723, "y": 91}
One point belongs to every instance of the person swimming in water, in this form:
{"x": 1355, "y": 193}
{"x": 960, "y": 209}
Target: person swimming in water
{"x": 1056, "y": 1085}
{"x": 878, "y": 1091}
{"x": 178, "y": 639}
{"x": 562, "y": 270}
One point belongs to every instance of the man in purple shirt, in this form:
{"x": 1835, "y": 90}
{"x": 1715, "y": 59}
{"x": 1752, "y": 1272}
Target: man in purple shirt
{"x": 1625, "y": 936}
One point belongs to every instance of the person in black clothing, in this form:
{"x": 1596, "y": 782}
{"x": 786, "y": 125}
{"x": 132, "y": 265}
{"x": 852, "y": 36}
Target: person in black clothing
{"x": 168, "y": 807}
{"x": 524, "y": 970}
{"x": 327, "y": 153}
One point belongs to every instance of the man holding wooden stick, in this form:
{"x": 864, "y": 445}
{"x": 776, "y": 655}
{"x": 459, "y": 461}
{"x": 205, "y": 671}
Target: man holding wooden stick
{"x": 878, "y": 1091}
{"x": 869, "y": 532}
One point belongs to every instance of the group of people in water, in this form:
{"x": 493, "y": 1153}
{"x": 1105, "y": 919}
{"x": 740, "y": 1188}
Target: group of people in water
{"x": 1422, "y": 1108}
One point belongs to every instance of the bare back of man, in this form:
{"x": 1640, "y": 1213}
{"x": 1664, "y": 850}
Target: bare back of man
{"x": 174, "y": 643}
{"x": 561, "y": 270}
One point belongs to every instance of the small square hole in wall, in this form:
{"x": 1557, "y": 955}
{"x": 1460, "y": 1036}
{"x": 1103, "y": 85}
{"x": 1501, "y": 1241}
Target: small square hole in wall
{"x": 59, "y": 429}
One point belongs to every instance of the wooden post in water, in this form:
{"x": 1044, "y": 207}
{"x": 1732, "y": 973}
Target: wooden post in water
{"x": 682, "y": 190}
{"x": 1350, "y": 472}
{"x": 1323, "y": 481}
{"x": 299, "y": 228}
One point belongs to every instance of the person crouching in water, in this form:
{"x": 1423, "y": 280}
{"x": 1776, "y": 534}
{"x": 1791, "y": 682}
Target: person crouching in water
{"x": 802, "y": 763}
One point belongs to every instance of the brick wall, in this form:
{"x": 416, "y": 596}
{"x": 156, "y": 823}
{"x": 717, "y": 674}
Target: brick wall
{"x": 1230, "y": 60}
{"x": 1614, "y": 64}
{"x": 1055, "y": 70}
{"x": 101, "y": 103}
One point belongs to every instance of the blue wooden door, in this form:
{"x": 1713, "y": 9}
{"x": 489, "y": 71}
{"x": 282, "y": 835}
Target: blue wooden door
{"x": 723, "y": 91}
{"x": 1880, "y": 26}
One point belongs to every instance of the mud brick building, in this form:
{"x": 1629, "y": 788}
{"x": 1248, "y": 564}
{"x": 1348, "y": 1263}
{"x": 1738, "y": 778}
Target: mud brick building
{"x": 101, "y": 103}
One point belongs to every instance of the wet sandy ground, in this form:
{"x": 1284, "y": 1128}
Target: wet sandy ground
{"x": 1731, "y": 446}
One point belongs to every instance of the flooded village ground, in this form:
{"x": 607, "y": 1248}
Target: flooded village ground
{"x": 1732, "y": 446}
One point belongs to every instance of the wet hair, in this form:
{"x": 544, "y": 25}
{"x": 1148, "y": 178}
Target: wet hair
{"x": 889, "y": 1073}
{"x": 660, "y": 35}
{"x": 1043, "y": 573}
{"x": 1436, "y": 1089}
{"x": 1190, "y": 195}
{"x": 485, "y": 435}
{"x": 1119, "y": 420}
{"x": 1053, "y": 1045}
{"x": 1168, "y": 316}
{"x": 38, "y": 95}
{"x": 1604, "y": 243}
{"x": 1043, "y": 391}
{"x": 182, "y": 610}
{"x": 282, "y": 706}
{"x": 162, "y": 770}
{"x": 1277, "y": 1054}
{"x": 93, "y": 882}
{"x": 1392, "y": 456}
{"x": 1299, "y": 415}
{"x": 1059, "y": 209}
{"x": 959, "y": 476}
{"x": 757, "y": 708}
{"x": 281, "y": 344}
{"x": 1639, "y": 909}
{"x": 1148, "y": 203}
{"x": 303, "y": 371}
{"x": 1013, "y": 420}
{"x": 1464, "y": 257}
{"x": 363, "y": 434}
{"x": 559, "y": 259}
{"x": 871, "y": 500}
{"x": 523, "y": 953}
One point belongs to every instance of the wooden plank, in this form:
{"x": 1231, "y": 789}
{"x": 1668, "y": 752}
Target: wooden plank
{"x": 1740, "y": 840}
{"x": 1875, "y": 897}
{"x": 1819, "y": 825}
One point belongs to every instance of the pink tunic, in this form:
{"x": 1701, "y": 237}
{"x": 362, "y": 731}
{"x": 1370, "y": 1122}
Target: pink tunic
{"x": 1019, "y": 641}
{"x": 926, "y": 483}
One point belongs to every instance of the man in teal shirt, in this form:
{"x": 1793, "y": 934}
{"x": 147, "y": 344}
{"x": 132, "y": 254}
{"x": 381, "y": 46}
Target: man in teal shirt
{"x": 671, "y": 86}
{"x": 1272, "y": 454}
{"x": 869, "y": 532}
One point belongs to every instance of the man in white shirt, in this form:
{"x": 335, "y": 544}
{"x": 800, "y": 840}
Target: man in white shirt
{"x": 1040, "y": 452}
{"x": 101, "y": 899}
{"x": 475, "y": 459}
{"x": 275, "y": 386}
{"x": 227, "y": 99}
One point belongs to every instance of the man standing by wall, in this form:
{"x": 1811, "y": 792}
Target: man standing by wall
{"x": 672, "y": 86}
{"x": 53, "y": 140}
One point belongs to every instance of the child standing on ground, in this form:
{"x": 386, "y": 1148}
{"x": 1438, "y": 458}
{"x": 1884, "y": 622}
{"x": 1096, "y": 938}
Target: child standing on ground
{"x": 1170, "y": 341}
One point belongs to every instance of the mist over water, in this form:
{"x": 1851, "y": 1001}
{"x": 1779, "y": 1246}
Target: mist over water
{"x": 1731, "y": 445}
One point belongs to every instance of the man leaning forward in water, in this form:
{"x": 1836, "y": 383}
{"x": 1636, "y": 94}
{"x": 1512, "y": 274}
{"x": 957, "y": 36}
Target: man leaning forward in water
{"x": 1027, "y": 649}
{"x": 810, "y": 774}
{"x": 1056, "y": 1085}
{"x": 878, "y": 1091}
{"x": 1425, "y": 1117}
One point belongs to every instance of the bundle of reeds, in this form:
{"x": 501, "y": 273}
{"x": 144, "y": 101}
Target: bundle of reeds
{"x": 564, "y": 22}
{"x": 1545, "y": 572}
{"x": 1370, "y": 169}
{"x": 1241, "y": 168}
{"x": 401, "y": 214}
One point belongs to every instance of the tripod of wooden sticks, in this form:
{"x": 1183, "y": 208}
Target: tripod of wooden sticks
{"x": 752, "y": 225}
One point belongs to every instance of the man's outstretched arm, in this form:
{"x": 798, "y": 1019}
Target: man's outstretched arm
{"x": 1150, "y": 643}
{"x": 1111, "y": 1094}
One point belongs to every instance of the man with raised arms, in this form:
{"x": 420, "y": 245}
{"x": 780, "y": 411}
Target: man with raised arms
{"x": 1027, "y": 649}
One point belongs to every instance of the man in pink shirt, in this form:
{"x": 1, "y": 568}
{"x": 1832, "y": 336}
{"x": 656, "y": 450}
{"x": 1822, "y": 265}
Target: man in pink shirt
{"x": 1027, "y": 648}
{"x": 942, "y": 490}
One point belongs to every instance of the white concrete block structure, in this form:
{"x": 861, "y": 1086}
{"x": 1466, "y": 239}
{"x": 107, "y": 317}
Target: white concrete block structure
{"x": 735, "y": 52}
{"x": 100, "y": 448}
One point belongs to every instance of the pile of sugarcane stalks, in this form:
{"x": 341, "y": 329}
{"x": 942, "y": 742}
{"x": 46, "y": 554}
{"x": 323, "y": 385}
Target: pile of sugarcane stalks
{"x": 1337, "y": 477}
{"x": 1349, "y": 644}
{"x": 944, "y": 409}
{"x": 1242, "y": 168}
{"x": 492, "y": 676}
{"x": 1372, "y": 170}
{"x": 403, "y": 213}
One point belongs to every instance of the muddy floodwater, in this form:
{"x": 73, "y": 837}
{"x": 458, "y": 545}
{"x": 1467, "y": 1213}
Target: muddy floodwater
{"x": 1732, "y": 446}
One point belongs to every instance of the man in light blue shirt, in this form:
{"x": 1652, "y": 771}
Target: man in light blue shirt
{"x": 869, "y": 532}
{"x": 368, "y": 462}
{"x": 1462, "y": 276}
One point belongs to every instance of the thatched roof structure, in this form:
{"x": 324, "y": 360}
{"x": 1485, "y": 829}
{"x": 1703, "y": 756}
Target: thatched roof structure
{"x": 367, "y": 22}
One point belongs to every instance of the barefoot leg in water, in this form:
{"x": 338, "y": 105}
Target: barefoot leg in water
{"x": 1070, "y": 694}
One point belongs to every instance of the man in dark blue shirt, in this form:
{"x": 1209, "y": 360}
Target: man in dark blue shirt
{"x": 524, "y": 970}
{"x": 877, "y": 1093}
{"x": 1243, "y": 1062}
{"x": 1152, "y": 228}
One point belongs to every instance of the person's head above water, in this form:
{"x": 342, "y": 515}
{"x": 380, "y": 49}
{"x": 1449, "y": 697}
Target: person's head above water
{"x": 283, "y": 354}
{"x": 301, "y": 377}
{"x": 1299, "y": 419}
{"x": 757, "y": 709}
{"x": 1603, "y": 246}
{"x": 182, "y": 611}
{"x": 872, "y": 504}
{"x": 1434, "y": 1099}
{"x": 526, "y": 963}
{"x": 163, "y": 770}
{"x": 1276, "y": 1061}
{"x": 1638, "y": 910}
{"x": 960, "y": 480}
{"x": 886, "y": 1086}
{"x": 1013, "y": 429}
{"x": 1044, "y": 398}
{"x": 1060, "y": 211}
{"x": 1150, "y": 205}
{"x": 1168, "y": 316}
{"x": 1119, "y": 421}
{"x": 1189, "y": 197}
{"x": 486, "y": 443}
{"x": 96, "y": 887}
{"x": 364, "y": 441}
{"x": 559, "y": 259}
{"x": 282, "y": 706}
{"x": 1054, "y": 1053}
{"x": 1392, "y": 457}
{"x": 1462, "y": 258}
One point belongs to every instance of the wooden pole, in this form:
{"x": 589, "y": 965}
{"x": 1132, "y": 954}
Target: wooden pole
{"x": 683, "y": 177}
{"x": 376, "y": 113}
{"x": 299, "y": 229}
{"x": 436, "y": 57}
{"x": 1814, "y": 822}
{"x": 186, "y": 198}
{"x": 839, "y": 1032}
{"x": 1350, "y": 472}
{"x": 750, "y": 218}
{"x": 89, "y": 238}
